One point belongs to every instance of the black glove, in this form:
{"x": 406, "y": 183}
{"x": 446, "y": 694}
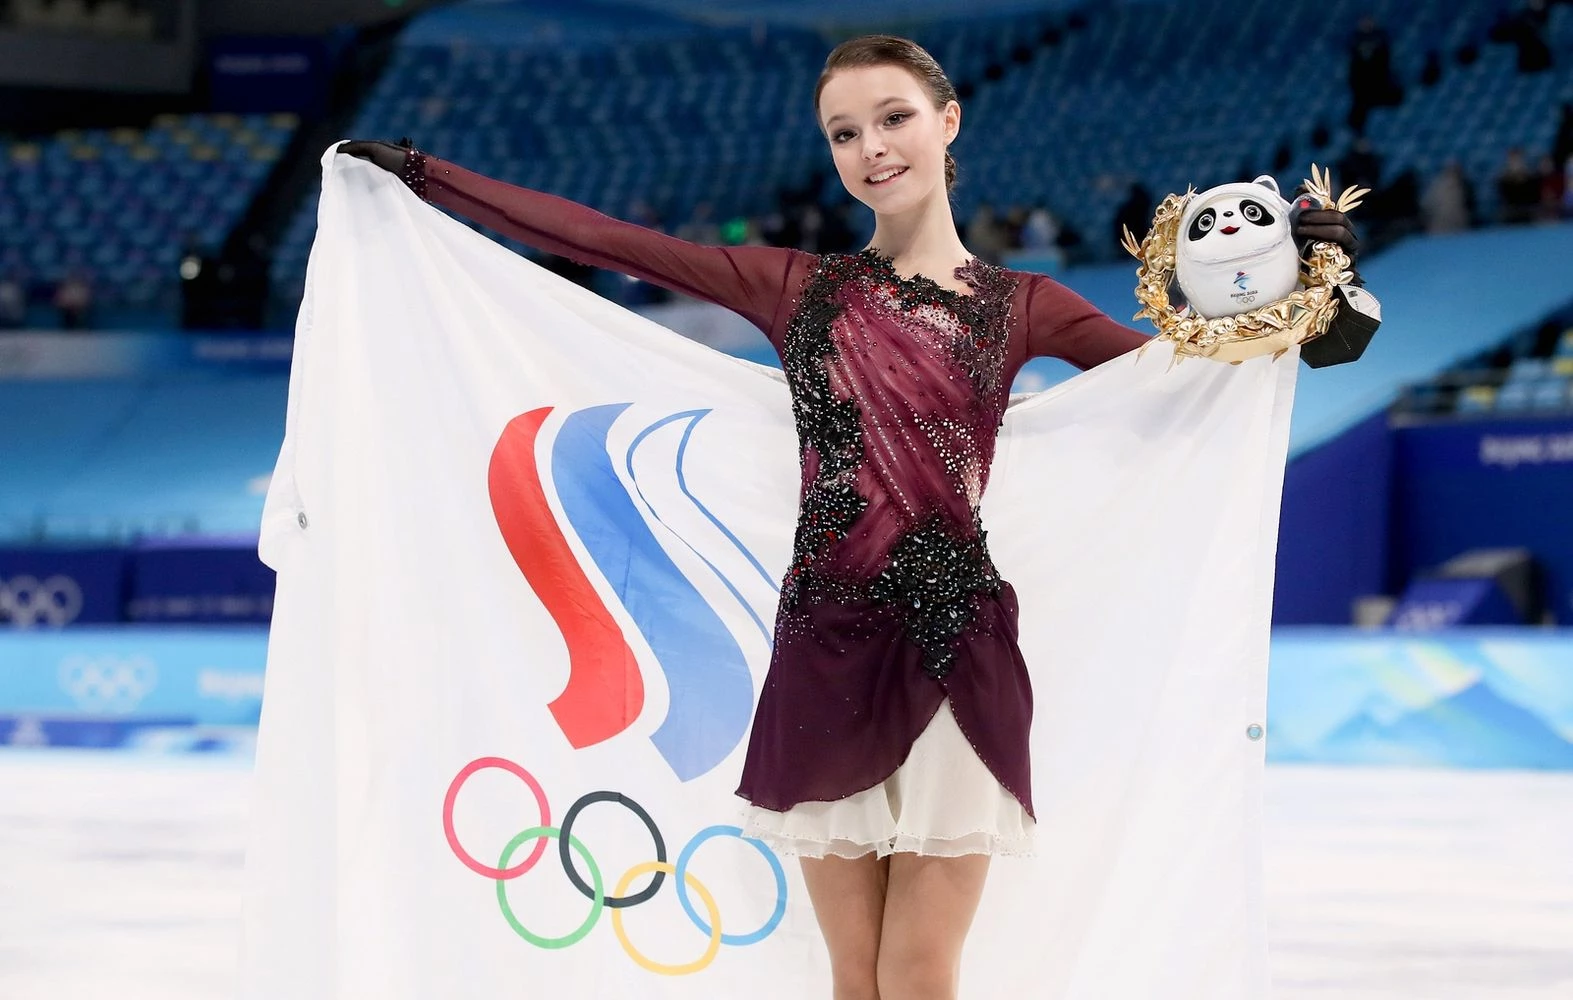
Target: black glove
{"x": 392, "y": 158}
{"x": 386, "y": 155}
{"x": 1309, "y": 224}
{"x": 1359, "y": 314}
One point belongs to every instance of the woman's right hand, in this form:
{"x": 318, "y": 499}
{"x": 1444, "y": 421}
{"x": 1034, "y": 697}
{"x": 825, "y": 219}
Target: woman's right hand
{"x": 386, "y": 155}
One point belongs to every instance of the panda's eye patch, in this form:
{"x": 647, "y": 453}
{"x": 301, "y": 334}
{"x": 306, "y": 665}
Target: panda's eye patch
{"x": 1255, "y": 213}
{"x": 1202, "y": 224}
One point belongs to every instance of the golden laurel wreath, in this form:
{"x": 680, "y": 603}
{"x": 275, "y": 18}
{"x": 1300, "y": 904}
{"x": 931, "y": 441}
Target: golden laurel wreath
{"x": 1274, "y": 328}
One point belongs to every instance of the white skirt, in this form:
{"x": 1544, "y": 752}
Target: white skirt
{"x": 941, "y": 801}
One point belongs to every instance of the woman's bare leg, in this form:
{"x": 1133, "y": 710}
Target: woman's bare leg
{"x": 849, "y": 901}
{"x": 929, "y": 906}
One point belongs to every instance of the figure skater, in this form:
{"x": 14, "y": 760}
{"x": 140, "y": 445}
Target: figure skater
{"x": 889, "y": 749}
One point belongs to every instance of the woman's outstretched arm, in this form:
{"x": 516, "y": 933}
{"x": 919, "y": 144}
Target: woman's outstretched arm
{"x": 1061, "y": 324}
{"x": 755, "y": 282}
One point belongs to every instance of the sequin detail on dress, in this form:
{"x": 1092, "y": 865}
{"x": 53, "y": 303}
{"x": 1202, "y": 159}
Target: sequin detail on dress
{"x": 414, "y": 175}
{"x": 932, "y": 568}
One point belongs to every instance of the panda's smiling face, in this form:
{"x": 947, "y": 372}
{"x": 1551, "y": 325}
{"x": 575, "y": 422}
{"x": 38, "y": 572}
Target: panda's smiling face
{"x": 1226, "y": 227}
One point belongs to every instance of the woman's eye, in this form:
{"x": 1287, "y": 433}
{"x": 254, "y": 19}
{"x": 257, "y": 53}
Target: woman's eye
{"x": 841, "y": 136}
{"x": 896, "y": 118}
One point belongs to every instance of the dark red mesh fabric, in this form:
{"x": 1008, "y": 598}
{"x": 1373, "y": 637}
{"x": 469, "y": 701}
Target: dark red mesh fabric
{"x": 753, "y": 281}
{"x": 898, "y": 388}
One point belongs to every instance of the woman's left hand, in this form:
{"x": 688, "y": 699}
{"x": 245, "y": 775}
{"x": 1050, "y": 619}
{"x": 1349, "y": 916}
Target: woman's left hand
{"x": 1309, "y": 225}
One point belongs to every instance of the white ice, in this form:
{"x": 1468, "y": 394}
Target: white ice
{"x": 120, "y": 880}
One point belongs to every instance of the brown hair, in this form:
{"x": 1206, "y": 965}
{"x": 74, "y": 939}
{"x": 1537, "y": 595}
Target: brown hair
{"x": 889, "y": 50}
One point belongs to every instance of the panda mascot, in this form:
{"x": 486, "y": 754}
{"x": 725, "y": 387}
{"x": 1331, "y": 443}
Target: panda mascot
{"x": 1237, "y": 252}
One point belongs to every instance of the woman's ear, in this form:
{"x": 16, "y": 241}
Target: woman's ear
{"x": 952, "y": 116}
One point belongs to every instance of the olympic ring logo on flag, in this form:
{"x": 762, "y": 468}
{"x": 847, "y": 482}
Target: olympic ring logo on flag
{"x": 594, "y": 889}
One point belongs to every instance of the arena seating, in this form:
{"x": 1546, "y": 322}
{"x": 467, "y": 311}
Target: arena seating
{"x": 120, "y": 204}
{"x": 1065, "y": 118}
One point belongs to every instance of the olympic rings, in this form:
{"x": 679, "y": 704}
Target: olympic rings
{"x": 618, "y": 901}
{"x": 686, "y": 883}
{"x": 453, "y": 836}
{"x": 711, "y": 950}
{"x": 26, "y": 600}
{"x": 108, "y": 684}
{"x": 596, "y": 900}
{"x": 681, "y": 870}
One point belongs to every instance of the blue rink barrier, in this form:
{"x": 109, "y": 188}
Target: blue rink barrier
{"x": 186, "y": 688}
{"x": 1487, "y": 697}
{"x": 1479, "y": 697}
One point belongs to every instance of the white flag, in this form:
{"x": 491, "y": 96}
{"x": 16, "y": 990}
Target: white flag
{"x": 529, "y": 546}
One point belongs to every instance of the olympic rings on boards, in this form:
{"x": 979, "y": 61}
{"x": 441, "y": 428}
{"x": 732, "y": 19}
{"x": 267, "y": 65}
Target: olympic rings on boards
{"x": 687, "y": 885}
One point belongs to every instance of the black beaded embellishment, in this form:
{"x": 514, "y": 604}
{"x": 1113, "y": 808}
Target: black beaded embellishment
{"x": 936, "y": 570}
{"x": 831, "y": 426}
{"x": 934, "y": 577}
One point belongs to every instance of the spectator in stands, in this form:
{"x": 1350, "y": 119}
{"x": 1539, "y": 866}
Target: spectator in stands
{"x": 1518, "y": 190}
{"x": 1562, "y": 145}
{"x": 809, "y": 225}
{"x": 1134, "y": 213}
{"x": 13, "y": 301}
{"x": 701, "y": 227}
{"x": 1361, "y": 166}
{"x": 74, "y": 299}
{"x": 1397, "y": 208}
{"x": 1041, "y": 235}
{"x": 1553, "y": 186}
{"x": 1525, "y": 30}
{"x": 1371, "y": 81}
{"x": 1448, "y": 204}
{"x": 1015, "y": 222}
{"x": 1041, "y": 231}
{"x": 840, "y": 233}
{"x": 986, "y": 234}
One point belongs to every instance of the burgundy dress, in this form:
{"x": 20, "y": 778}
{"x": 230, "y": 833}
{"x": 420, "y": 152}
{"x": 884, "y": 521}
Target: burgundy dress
{"x": 898, "y": 386}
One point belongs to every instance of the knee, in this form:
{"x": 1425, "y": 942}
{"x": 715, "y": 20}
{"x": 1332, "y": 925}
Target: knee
{"x": 904, "y": 974}
{"x": 855, "y": 987}
{"x": 853, "y": 974}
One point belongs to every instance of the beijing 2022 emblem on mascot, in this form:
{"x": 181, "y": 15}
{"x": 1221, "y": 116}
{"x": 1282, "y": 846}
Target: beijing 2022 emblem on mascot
{"x": 1247, "y": 290}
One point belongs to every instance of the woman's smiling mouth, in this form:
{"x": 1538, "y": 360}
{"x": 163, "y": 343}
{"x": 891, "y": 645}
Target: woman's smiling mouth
{"x": 886, "y": 176}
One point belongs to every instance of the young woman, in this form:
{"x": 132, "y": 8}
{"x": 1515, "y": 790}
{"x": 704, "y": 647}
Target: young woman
{"x": 889, "y": 749}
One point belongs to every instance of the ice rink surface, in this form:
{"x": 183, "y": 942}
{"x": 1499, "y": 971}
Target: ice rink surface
{"x": 120, "y": 880}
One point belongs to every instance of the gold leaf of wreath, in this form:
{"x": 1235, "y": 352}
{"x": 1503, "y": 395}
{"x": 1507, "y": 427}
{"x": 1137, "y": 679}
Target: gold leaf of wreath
{"x": 1272, "y": 329}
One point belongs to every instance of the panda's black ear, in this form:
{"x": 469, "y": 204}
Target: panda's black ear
{"x": 1270, "y": 183}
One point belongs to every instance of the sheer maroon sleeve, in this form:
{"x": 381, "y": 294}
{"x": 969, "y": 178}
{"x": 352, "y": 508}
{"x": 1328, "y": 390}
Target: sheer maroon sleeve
{"x": 755, "y": 282}
{"x": 1061, "y": 324}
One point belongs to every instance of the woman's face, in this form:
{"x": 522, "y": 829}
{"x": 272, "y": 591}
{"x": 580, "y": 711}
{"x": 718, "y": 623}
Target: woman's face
{"x": 886, "y": 137}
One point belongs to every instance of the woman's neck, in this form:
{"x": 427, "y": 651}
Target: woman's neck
{"x": 922, "y": 241}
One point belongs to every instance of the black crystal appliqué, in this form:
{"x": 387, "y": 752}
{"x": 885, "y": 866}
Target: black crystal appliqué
{"x": 832, "y": 427}
{"x": 934, "y": 576}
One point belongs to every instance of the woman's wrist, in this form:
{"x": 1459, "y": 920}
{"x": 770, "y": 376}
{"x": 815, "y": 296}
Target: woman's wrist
{"x": 414, "y": 171}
